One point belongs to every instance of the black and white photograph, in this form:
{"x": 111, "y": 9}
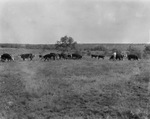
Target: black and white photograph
{"x": 74, "y": 59}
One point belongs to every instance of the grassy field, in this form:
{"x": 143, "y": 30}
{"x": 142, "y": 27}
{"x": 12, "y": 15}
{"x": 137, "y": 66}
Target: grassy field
{"x": 74, "y": 89}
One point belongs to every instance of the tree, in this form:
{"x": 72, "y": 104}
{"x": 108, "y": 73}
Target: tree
{"x": 146, "y": 51}
{"x": 65, "y": 44}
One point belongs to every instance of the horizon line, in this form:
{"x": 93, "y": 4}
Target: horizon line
{"x": 77, "y": 43}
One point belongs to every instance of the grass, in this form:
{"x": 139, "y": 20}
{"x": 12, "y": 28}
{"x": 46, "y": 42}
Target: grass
{"x": 74, "y": 89}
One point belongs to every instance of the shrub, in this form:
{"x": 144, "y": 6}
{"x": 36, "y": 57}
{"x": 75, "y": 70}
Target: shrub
{"x": 118, "y": 51}
{"x": 100, "y": 48}
{"x": 134, "y": 50}
{"x": 146, "y": 51}
{"x": 88, "y": 53}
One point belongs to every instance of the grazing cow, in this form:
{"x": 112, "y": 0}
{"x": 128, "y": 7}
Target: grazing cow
{"x": 27, "y": 56}
{"x": 63, "y": 56}
{"x": 53, "y": 56}
{"x": 40, "y": 56}
{"x": 94, "y": 56}
{"x": 57, "y": 56}
{"x": 101, "y": 56}
{"x": 69, "y": 56}
{"x": 116, "y": 57}
{"x": 49, "y": 56}
{"x": 46, "y": 57}
{"x": 60, "y": 56}
{"x": 76, "y": 56}
{"x": 132, "y": 56}
{"x": 111, "y": 57}
{"x": 119, "y": 57}
{"x": 7, "y": 57}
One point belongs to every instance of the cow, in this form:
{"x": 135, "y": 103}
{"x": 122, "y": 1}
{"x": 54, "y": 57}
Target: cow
{"x": 27, "y": 56}
{"x": 132, "y": 56}
{"x": 63, "y": 56}
{"x": 7, "y": 57}
{"x": 116, "y": 57}
{"x": 60, "y": 56}
{"x": 46, "y": 57}
{"x": 111, "y": 57}
{"x": 94, "y": 56}
{"x": 53, "y": 56}
{"x": 101, "y": 56}
{"x": 114, "y": 54}
{"x": 40, "y": 56}
{"x": 49, "y": 56}
{"x": 69, "y": 56}
{"x": 119, "y": 57}
{"x": 76, "y": 56}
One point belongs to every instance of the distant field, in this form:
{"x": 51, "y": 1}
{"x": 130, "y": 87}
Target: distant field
{"x": 111, "y": 46}
{"x": 73, "y": 89}
{"x": 79, "y": 46}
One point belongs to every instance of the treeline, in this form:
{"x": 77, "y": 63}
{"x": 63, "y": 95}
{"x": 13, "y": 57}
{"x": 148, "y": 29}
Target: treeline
{"x": 90, "y": 47}
{"x": 142, "y": 50}
{"x": 28, "y": 46}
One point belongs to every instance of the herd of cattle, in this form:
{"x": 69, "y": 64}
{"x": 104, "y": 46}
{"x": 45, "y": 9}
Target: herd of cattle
{"x": 51, "y": 56}
{"x": 54, "y": 56}
{"x": 117, "y": 57}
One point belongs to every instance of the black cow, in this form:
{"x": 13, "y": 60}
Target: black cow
{"x": 101, "y": 56}
{"x": 94, "y": 56}
{"x": 27, "y": 56}
{"x": 53, "y": 56}
{"x": 132, "y": 56}
{"x": 7, "y": 57}
{"x": 111, "y": 57}
{"x": 40, "y": 56}
{"x": 60, "y": 56}
{"x": 69, "y": 56}
{"x": 49, "y": 56}
{"x": 119, "y": 57}
{"x": 63, "y": 56}
{"x": 76, "y": 56}
{"x": 46, "y": 57}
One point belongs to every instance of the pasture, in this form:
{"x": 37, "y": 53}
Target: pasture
{"x": 74, "y": 89}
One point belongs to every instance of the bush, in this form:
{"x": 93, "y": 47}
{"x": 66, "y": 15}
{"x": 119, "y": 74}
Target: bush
{"x": 99, "y": 48}
{"x": 134, "y": 50}
{"x": 146, "y": 52}
{"x": 118, "y": 51}
{"x": 88, "y": 53}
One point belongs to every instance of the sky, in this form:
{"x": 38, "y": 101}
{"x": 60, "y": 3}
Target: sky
{"x": 86, "y": 21}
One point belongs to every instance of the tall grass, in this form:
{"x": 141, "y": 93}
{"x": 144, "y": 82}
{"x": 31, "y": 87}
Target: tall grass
{"x": 75, "y": 89}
